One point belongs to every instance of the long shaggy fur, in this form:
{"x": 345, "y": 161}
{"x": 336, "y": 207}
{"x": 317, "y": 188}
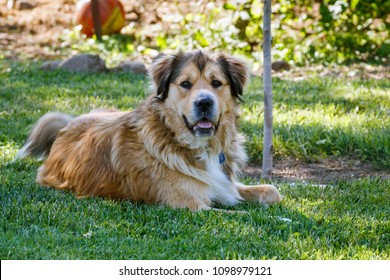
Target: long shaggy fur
{"x": 152, "y": 154}
{"x": 43, "y": 135}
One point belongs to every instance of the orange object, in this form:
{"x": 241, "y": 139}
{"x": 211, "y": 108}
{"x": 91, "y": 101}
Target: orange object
{"x": 112, "y": 16}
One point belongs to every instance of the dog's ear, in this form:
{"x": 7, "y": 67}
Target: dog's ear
{"x": 160, "y": 72}
{"x": 237, "y": 73}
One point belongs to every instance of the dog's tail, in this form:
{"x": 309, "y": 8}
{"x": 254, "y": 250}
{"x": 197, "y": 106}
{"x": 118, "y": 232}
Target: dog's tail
{"x": 43, "y": 135}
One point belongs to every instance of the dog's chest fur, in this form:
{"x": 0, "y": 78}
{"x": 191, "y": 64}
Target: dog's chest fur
{"x": 220, "y": 186}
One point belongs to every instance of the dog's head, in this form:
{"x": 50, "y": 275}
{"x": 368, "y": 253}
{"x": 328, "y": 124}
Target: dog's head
{"x": 198, "y": 90}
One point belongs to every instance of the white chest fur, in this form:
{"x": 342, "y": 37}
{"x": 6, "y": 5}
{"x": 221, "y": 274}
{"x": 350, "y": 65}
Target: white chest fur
{"x": 221, "y": 189}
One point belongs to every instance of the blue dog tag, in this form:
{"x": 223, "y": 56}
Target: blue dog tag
{"x": 222, "y": 157}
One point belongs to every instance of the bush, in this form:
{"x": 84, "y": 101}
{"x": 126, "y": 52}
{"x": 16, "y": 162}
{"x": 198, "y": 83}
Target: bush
{"x": 304, "y": 31}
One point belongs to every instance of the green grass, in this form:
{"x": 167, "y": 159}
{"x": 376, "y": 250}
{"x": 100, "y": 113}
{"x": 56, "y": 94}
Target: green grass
{"x": 322, "y": 117}
{"x": 314, "y": 119}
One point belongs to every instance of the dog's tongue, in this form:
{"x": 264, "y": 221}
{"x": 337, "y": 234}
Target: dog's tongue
{"x": 204, "y": 124}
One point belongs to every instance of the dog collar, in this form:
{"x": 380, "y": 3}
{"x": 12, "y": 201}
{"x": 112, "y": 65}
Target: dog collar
{"x": 222, "y": 157}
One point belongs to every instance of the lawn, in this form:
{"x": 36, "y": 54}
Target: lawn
{"x": 314, "y": 119}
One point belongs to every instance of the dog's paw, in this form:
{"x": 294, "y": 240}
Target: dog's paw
{"x": 266, "y": 194}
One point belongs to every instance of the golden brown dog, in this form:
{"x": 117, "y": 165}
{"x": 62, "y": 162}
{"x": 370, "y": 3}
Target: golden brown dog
{"x": 180, "y": 147}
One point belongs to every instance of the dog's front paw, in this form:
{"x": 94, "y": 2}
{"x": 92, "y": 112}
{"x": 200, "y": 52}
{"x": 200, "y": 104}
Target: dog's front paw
{"x": 267, "y": 194}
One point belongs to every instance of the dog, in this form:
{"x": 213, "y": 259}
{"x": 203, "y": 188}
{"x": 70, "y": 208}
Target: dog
{"x": 181, "y": 147}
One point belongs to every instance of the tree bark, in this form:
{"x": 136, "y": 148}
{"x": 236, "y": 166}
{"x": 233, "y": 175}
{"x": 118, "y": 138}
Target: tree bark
{"x": 96, "y": 19}
{"x": 267, "y": 80}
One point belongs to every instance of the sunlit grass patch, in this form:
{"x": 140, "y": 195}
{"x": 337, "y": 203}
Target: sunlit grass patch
{"x": 323, "y": 117}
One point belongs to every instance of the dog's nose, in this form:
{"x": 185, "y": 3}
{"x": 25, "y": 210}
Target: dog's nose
{"x": 204, "y": 103}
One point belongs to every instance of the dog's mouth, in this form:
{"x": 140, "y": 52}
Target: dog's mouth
{"x": 202, "y": 128}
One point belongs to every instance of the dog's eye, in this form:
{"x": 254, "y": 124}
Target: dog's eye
{"x": 216, "y": 83}
{"x": 186, "y": 85}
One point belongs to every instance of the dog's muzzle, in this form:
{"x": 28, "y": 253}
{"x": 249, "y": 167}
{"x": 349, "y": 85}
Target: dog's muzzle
{"x": 204, "y": 120}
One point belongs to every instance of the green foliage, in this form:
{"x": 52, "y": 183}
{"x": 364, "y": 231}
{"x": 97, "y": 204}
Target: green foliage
{"x": 308, "y": 31}
{"x": 304, "y": 31}
{"x": 111, "y": 48}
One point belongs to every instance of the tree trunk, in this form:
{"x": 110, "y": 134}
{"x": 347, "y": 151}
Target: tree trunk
{"x": 267, "y": 80}
{"x": 96, "y": 19}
